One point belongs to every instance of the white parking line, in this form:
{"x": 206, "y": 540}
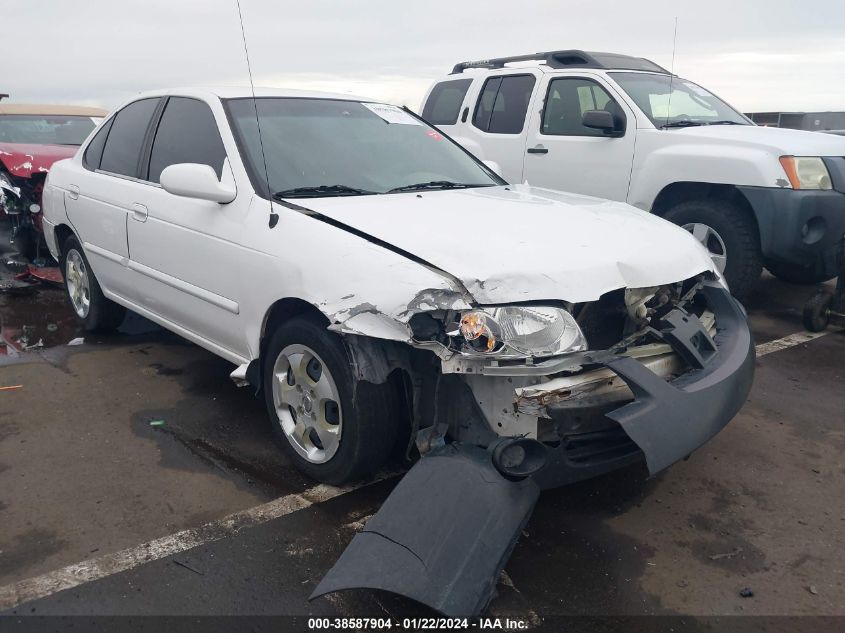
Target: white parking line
{"x": 792, "y": 340}
{"x": 108, "y": 564}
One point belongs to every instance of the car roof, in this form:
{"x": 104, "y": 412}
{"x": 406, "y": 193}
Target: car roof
{"x": 51, "y": 109}
{"x": 239, "y": 92}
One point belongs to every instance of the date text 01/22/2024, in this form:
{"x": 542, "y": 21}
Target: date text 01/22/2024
{"x": 417, "y": 624}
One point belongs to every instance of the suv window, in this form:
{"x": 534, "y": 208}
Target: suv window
{"x": 126, "y": 137}
{"x": 503, "y": 103}
{"x": 567, "y": 101}
{"x": 94, "y": 152}
{"x": 444, "y": 102}
{"x": 187, "y": 133}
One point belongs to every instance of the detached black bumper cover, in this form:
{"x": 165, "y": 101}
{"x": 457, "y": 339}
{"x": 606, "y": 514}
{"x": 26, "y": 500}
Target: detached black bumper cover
{"x": 442, "y": 537}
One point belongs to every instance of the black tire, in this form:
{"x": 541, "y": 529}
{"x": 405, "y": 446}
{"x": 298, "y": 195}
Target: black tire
{"x": 369, "y": 413}
{"x": 797, "y": 274}
{"x": 26, "y": 242}
{"x": 738, "y": 232}
{"x": 103, "y": 314}
{"x": 817, "y": 311}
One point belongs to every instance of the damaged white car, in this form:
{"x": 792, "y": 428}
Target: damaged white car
{"x": 385, "y": 290}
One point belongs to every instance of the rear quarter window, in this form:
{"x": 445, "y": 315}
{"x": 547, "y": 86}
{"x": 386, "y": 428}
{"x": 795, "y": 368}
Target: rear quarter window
{"x": 444, "y": 103}
{"x": 94, "y": 152}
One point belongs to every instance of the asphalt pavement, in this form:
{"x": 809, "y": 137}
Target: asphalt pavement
{"x": 135, "y": 437}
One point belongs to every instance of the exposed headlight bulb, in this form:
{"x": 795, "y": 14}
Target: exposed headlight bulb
{"x": 477, "y": 326}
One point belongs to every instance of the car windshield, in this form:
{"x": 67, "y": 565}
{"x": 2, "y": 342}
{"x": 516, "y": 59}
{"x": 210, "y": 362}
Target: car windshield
{"x": 325, "y": 147}
{"x": 689, "y": 103}
{"x": 45, "y": 129}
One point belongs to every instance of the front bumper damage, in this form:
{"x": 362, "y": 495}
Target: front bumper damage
{"x": 445, "y": 533}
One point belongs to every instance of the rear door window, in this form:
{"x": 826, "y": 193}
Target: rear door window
{"x": 444, "y": 102}
{"x": 126, "y": 138}
{"x": 503, "y": 103}
{"x": 187, "y": 133}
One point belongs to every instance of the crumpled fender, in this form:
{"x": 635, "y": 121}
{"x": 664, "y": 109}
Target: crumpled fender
{"x": 442, "y": 537}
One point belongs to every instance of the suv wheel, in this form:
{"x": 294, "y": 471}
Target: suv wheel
{"x": 334, "y": 428}
{"x": 89, "y": 304}
{"x": 797, "y": 274}
{"x": 728, "y": 234}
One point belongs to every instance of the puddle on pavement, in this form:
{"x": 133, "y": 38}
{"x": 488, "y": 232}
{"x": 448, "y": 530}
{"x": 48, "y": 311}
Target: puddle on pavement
{"x": 41, "y": 318}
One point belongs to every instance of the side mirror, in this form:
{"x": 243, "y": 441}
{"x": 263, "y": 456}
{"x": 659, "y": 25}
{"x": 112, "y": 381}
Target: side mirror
{"x": 601, "y": 120}
{"x": 192, "y": 180}
{"x": 493, "y": 166}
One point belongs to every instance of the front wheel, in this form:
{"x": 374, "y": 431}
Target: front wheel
{"x": 92, "y": 309}
{"x": 728, "y": 234}
{"x": 334, "y": 428}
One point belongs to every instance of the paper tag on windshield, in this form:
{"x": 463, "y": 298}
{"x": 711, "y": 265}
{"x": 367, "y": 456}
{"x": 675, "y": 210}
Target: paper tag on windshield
{"x": 391, "y": 113}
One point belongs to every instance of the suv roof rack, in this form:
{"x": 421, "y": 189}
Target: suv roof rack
{"x": 569, "y": 59}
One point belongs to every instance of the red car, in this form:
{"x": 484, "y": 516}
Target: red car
{"x": 32, "y": 138}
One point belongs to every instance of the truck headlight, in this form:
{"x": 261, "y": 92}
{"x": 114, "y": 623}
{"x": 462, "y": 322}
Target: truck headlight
{"x": 806, "y": 172}
{"x": 515, "y": 331}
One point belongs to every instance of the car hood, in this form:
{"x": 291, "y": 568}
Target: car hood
{"x": 521, "y": 243}
{"x": 24, "y": 159}
{"x": 779, "y": 140}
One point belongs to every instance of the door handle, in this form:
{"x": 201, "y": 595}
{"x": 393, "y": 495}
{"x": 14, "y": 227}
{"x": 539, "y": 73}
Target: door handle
{"x": 73, "y": 192}
{"x": 139, "y": 212}
{"x": 539, "y": 149}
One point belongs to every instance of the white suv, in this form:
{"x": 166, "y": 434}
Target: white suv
{"x": 606, "y": 125}
{"x": 374, "y": 279}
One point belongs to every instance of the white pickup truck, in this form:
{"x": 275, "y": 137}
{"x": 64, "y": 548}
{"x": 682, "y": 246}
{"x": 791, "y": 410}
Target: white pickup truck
{"x": 623, "y": 128}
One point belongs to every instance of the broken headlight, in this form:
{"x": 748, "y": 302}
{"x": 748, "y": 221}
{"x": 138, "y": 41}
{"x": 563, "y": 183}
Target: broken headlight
{"x": 518, "y": 332}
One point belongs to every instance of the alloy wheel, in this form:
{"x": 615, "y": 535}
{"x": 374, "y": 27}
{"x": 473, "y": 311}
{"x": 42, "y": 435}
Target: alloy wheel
{"x": 307, "y": 403}
{"x": 78, "y": 285}
{"x": 712, "y": 241}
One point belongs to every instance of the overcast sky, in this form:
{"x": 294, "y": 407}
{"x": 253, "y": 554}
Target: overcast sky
{"x": 758, "y": 55}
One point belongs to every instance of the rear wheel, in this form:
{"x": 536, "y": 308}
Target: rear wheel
{"x": 91, "y": 307}
{"x": 797, "y": 274}
{"x": 334, "y": 428}
{"x": 728, "y": 234}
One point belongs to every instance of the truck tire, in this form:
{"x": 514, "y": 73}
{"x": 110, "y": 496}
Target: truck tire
{"x": 90, "y": 306}
{"x": 732, "y": 231}
{"x": 797, "y": 274}
{"x": 333, "y": 427}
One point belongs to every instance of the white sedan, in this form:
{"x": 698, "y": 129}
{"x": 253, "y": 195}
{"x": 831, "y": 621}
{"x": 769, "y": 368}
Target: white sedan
{"x": 387, "y": 290}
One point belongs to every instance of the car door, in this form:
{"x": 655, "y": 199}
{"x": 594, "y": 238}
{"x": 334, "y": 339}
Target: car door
{"x": 99, "y": 196}
{"x": 184, "y": 252}
{"x": 561, "y": 153}
{"x": 493, "y": 125}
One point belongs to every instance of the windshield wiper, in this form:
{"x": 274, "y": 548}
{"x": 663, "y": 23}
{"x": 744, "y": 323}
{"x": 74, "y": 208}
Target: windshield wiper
{"x": 725, "y": 122}
{"x": 323, "y": 190}
{"x": 684, "y": 123}
{"x": 437, "y": 184}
